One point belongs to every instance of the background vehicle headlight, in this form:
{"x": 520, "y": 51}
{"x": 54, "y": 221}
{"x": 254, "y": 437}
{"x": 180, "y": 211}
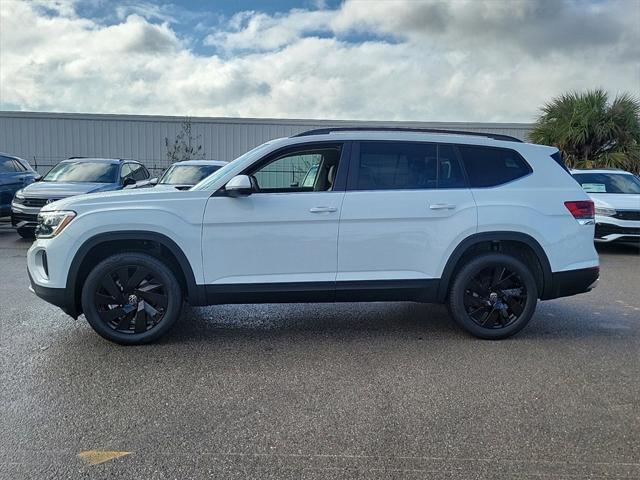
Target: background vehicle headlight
{"x": 605, "y": 211}
{"x": 52, "y": 223}
{"x": 18, "y": 197}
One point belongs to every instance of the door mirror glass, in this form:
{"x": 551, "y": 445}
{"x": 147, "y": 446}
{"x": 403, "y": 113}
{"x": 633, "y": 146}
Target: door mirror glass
{"x": 239, "y": 186}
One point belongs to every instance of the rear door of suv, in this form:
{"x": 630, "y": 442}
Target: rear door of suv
{"x": 406, "y": 207}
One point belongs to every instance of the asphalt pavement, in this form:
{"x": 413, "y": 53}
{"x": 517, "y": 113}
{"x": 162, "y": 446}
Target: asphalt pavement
{"x": 372, "y": 391}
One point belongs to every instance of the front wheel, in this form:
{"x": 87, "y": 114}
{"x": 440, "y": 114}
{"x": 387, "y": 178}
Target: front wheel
{"x": 493, "y": 296}
{"x": 131, "y": 298}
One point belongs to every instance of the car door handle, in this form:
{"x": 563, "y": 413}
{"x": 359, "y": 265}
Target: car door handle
{"x": 323, "y": 209}
{"x": 442, "y": 206}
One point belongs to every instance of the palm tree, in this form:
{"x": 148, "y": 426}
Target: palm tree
{"x": 590, "y": 131}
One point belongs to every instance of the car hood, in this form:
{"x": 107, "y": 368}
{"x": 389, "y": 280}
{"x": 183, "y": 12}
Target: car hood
{"x": 130, "y": 197}
{"x": 63, "y": 190}
{"x": 618, "y": 201}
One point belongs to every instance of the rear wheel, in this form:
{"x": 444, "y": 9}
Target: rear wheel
{"x": 131, "y": 298}
{"x": 493, "y": 296}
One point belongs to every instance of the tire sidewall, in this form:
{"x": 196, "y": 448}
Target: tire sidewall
{"x": 456, "y": 295}
{"x": 174, "y": 304}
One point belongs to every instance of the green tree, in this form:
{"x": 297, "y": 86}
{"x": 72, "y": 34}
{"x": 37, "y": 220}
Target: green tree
{"x": 592, "y": 132}
{"x": 185, "y": 146}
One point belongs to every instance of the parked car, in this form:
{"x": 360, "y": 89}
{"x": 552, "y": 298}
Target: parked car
{"x": 73, "y": 177}
{"x": 616, "y": 195}
{"x": 484, "y": 223}
{"x": 184, "y": 175}
{"x": 15, "y": 173}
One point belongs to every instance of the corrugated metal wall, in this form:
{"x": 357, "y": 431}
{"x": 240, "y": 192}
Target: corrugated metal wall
{"x": 46, "y": 138}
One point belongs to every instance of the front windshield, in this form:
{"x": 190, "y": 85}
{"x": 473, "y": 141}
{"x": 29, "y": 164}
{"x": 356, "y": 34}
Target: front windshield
{"x": 94, "y": 172}
{"x": 187, "y": 174}
{"x": 213, "y": 178}
{"x": 608, "y": 182}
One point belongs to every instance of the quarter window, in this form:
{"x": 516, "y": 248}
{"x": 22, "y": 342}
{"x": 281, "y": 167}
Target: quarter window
{"x": 489, "y": 166}
{"x": 8, "y": 165}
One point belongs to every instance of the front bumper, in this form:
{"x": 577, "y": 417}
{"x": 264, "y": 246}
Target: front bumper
{"x": 620, "y": 231}
{"x": 24, "y": 217}
{"x": 54, "y": 296}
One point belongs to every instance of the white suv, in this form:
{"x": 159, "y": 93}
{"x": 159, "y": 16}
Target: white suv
{"x": 482, "y": 222}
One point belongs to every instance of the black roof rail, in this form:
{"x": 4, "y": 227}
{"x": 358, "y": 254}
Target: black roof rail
{"x": 324, "y": 131}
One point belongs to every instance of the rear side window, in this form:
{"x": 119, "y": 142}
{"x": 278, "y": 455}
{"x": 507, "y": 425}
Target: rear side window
{"x": 8, "y": 165}
{"x": 139, "y": 172}
{"x": 407, "y": 166}
{"x": 489, "y": 166}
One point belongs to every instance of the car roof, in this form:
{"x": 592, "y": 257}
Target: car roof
{"x": 600, "y": 170}
{"x": 201, "y": 162}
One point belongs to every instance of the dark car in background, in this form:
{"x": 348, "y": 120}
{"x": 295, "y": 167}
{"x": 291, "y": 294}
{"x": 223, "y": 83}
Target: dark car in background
{"x": 73, "y": 177}
{"x": 185, "y": 174}
{"x": 15, "y": 173}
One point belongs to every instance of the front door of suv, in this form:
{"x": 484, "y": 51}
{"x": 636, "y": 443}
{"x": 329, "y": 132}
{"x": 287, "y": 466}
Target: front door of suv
{"x": 406, "y": 207}
{"x": 282, "y": 237}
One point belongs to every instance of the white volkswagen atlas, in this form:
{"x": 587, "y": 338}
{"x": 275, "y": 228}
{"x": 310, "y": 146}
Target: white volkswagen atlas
{"x": 484, "y": 223}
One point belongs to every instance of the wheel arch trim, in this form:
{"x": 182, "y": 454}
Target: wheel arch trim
{"x": 195, "y": 292}
{"x": 476, "y": 238}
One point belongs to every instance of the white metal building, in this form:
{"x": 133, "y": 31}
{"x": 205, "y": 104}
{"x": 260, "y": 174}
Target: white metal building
{"x": 46, "y": 138}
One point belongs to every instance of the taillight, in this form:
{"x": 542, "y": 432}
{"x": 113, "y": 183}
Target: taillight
{"x": 581, "y": 209}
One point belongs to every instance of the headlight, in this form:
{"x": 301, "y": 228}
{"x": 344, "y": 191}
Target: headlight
{"x": 18, "y": 197}
{"x": 52, "y": 223}
{"x": 605, "y": 211}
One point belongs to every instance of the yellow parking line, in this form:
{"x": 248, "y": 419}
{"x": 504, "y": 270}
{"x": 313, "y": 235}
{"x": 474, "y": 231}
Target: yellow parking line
{"x": 96, "y": 457}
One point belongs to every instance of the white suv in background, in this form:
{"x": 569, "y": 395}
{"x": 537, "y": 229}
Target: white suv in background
{"x": 484, "y": 223}
{"x": 616, "y": 195}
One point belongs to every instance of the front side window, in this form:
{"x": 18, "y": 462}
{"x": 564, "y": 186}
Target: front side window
{"x": 94, "y": 172}
{"x": 490, "y": 166}
{"x": 302, "y": 171}
{"x": 608, "y": 183}
{"x": 408, "y": 166}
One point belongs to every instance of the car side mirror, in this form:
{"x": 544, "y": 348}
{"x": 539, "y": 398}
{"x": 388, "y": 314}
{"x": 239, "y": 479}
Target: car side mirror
{"x": 128, "y": 181}
{"x": 38, "y": 178}
{"x": 239, "y": 186}
{"x": 153, "y": 181}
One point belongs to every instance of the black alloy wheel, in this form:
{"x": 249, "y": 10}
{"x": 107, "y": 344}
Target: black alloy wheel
{"x": 131, "y": 298}
{"x": 493, "y": 296}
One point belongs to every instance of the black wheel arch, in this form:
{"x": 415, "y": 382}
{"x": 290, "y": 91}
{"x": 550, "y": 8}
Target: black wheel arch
{"x": 493, "y": 240}
{"x": 82, "y": 259}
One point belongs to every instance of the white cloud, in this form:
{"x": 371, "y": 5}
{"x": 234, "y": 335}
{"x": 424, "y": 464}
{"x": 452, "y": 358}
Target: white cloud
{"x": 404, "y": 60}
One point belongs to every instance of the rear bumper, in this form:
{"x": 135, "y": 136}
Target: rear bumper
{"x": 573, "y": 282}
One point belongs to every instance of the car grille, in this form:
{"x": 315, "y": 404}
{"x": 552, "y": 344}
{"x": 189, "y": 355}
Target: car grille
{"x": 604, "y": 229}
{"x": 16, "y": 218}
{"x": 35, "y": 202}
{"x": 627, "y": 215}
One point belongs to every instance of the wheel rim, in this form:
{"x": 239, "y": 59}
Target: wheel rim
{"x": 495, "y": 297}
{"x": 131, "y": 299}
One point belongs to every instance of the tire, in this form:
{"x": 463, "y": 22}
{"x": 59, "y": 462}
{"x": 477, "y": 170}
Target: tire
{"x": 492, "y": 303}
{"x": 27, "y": 233}
{"x": 131, "y": 298}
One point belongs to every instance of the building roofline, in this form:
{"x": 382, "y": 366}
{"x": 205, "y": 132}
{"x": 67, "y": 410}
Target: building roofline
{"x": 253, "y": 120}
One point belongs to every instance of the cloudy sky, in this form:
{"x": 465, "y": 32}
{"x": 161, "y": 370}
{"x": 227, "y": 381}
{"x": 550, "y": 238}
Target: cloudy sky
{"x": 467, "y": 60}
